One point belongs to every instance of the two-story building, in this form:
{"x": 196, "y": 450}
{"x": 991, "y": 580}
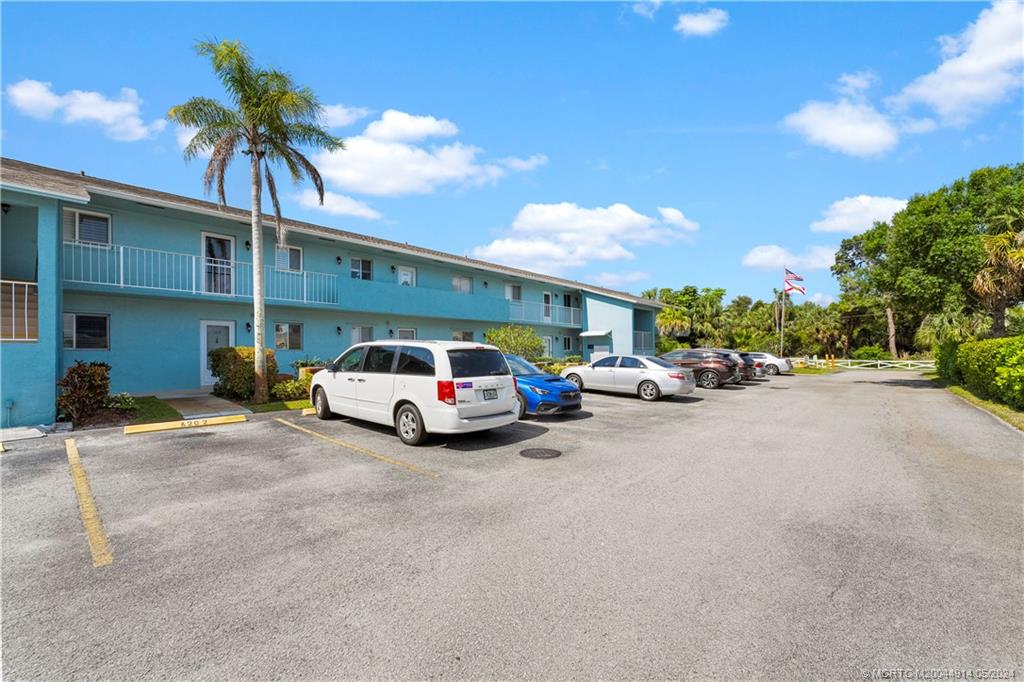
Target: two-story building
{"x": 150, "y": 282}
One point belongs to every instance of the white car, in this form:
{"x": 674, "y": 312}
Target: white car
{"x": 643, "y": 375}
{"x": 419, "y": 387}
{"x": 772, "y": 364}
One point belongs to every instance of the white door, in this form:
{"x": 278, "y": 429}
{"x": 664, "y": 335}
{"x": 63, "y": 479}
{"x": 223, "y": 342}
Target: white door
{"x": 549, "y": 345}
{"x": 213, "y": 334}
{"x": 602, "y": 373}
{"x": 375, "y": 384}
{"x": 628, "y": 374}
{"x": 547, "y": 306}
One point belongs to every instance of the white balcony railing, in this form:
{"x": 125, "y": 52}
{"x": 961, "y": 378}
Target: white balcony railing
{"x": 139, "y": 268}
{"x": 537, "y": 312}
{"x": 19, "y": 311}
{"x": 643, "y": 343}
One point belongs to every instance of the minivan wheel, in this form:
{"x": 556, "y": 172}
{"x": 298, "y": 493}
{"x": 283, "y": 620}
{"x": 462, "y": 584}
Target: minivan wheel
{"x": 772, "y": 370}
{"x": 409, "y": 425}
{"x": 576, "y": 379}
{"x": 522, "y": 405}
{"x": 649, "y": 391}
{"x": 323, "y": 410}
{"x": 709, "y": 379}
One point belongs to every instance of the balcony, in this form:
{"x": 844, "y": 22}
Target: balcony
{"x": 133, "y": 267}
{"x": 535, "y": 312}
{"x": 643, "y": 343}
{"x": 19, "y": 311}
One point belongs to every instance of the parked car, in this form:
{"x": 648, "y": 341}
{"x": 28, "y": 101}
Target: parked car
{"x": 772, "y": 364}
{"x": 748, "y": 370}
{"x": 541, "y": 392}
{"x": 711, "y": 369}
{"x": 643, "y": 375}
{"x": 419, "y": 387}
{"x": 759, "y": 372}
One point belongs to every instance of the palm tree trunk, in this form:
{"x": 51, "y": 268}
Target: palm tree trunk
{"x": 999, "y": 320}
{"x": 260, "y": 393}
{"x": 890, "y": 322}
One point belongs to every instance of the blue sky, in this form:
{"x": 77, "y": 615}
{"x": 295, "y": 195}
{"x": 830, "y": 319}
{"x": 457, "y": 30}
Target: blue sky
{"x": 634, "y": 145}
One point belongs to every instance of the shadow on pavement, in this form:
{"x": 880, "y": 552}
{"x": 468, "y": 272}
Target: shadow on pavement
{"x": 574, "y": 416}
{"x": 487, "y": 440}
{"x": 905, "y": 383}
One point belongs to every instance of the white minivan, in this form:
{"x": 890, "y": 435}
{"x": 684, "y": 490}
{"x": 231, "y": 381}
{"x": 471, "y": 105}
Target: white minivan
{"x": 419, "y": 387}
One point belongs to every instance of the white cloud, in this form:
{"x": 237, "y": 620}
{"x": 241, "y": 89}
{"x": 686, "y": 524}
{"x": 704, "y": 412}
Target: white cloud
{"x": 527, "y": 164}
{"x": 775, "y": 257}
{"x": 706, "y": 23}
{"x": 673, "y": 216}
{"x": 848, "y": 126}
{"x": 982, "y": 66}
{"x": 398, "y": 126}
{"x": 822, "y": 299}
{"x": 856, "y": 84}
{"x": 336, "y": 204}
{"x": 557, "y": 237}
{"x": 618, "y": 280}
{"x": 856, "y": 214}
{"x": 184, "y": 134}
{"x": 120, "y": 118}
{"x": 339, "y": 115}
{"x": 647, "y": 8}
{"x": 383, "y": 162}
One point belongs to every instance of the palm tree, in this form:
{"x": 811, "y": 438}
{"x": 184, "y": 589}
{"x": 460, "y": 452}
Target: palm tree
{"x": 950, "y": 326}
{"x": 269, "y": 117}
{"x": 1000, "y": 282}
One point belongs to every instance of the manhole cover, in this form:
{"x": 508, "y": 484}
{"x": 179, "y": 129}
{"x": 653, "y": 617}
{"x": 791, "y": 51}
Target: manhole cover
{"x": 540, "y": 453}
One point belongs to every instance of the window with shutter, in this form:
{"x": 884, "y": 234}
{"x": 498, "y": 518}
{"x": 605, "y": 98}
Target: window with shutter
{"x": 93, "y": 228}
{"x": 288, "y": 258}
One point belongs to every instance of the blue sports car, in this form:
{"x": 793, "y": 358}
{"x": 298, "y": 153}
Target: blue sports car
{"x": 540, "y": 392}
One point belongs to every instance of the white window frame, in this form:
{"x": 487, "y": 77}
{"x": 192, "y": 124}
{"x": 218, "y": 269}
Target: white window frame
{"x": 95, "y": 214}
{"x": 461, "y": 279}
{"x": 509, "y": 286}
{"x": 358, "y": 329}
{"x": 411, "y": 270}
{"x": 288, "y": 249}
{"x": 74, "y": 330}
{"x": 567, "y": 343}
{"x": 460, "y": 332}
{"x": 361, "y": 260}
{"x": 407, "y": 329}
{"x": 287, "y": 346}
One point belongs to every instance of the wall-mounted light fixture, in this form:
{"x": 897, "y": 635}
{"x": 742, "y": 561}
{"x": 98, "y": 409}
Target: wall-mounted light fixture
{"x": 485, "y": 285}
{"x": 338, "y": 261}
{"x": 393, "y": 268}
{"x": 391, "y": 333}
{"x": 6, "y": 208}
{"x": 248, "y": 245}
{"x": 248, "y": 326}
{"x": 338, "y": 329}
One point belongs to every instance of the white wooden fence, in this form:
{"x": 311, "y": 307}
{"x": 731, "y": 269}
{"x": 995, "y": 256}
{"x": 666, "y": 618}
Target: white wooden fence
{"x": 845, "y": 363}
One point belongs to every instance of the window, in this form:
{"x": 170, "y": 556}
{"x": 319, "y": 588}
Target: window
{"x": 514, "y": 292}
{"x": 350, "y": 361}
{"x": 287, "y": 336}
{"x": 362, "y": 334}
{"x": 84, "y": 331}
{"x": 676, "y": 355}
{"x": 462, "y": 336}
{"x": 631, "y": 363}
{"x": 566, "y": 343}
{"x": 362, "y": 268}
{"x": 406, "y": 276}
{"x": 652, "y": 362}
{"x": 289, "y": 258}
{"x": 379, "y": 359}
{"x": 415, "y": 360}
{"x": 462, "y": 284}
{"x": 80, "y": 226}
{"x": 407, "y": 334}
{"x": 477, "y": 363}
{"x": 607, "y": 362}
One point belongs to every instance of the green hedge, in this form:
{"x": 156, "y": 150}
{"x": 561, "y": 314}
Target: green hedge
{"x": 236, "y": 375}
{"x": 994, "y": 368}
{"x": 946, "y": 363}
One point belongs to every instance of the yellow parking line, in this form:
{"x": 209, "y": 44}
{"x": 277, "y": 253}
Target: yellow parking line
{"x": 184, "y": 424}
{"x": 370, "y": 453}
{"x": 98, "y": 545}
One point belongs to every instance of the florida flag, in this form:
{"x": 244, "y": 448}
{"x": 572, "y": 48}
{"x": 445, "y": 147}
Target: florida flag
{"x": 790, "y": 287}
{"x": 790, "y": 275}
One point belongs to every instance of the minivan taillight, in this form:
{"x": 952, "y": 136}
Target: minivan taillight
{"x": 446, "y": 392}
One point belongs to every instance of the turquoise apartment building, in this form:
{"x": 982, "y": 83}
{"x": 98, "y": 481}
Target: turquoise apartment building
{"x": 149, "y": 282}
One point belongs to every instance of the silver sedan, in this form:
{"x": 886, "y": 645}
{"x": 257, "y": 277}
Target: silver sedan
{"x": 643, "y": 375}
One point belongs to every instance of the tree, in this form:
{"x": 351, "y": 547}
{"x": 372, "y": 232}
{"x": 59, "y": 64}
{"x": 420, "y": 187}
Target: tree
{"x": 1000, "y": 283}
{"x": 516, "y": 340}
{"x": 268, "y": 119}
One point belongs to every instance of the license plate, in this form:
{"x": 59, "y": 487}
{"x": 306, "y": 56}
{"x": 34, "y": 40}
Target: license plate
{"x": 490, "y": 394}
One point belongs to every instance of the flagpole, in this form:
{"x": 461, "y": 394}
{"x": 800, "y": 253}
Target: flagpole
{"x": 782, "y": 320}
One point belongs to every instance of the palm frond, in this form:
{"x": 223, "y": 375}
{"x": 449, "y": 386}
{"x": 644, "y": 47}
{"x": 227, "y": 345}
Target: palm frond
{"x": 272, "y": 191}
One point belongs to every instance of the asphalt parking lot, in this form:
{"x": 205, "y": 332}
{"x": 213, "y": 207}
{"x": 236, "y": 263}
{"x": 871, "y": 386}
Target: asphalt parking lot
{"x": 807, "y": 527}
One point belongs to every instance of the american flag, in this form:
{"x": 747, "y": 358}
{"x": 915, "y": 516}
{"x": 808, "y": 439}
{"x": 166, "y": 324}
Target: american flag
{"x": 792, "y": 276}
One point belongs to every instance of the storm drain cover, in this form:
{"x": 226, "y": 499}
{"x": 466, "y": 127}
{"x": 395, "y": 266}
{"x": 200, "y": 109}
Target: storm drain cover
{"x": 540, "y": 453}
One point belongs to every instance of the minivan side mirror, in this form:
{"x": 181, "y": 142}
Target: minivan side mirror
{"x": 331, "y": 367}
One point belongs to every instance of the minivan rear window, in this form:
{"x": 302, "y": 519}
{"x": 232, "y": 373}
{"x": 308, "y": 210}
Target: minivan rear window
{"x": 475, "y": 362}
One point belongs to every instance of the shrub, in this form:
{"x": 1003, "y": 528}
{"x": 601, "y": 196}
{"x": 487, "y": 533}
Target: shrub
{"x": 293, "y": 389}
{"x": 945, "y": 362}
{"x": 516, "y": 339}
{"x": 994, "y": 368}
{"x": 236, "y": 376}
{"x": 121, "y": 401}
{"x": 542, "y": 360}
{"x": 84, "y": 389}
{"x": 573, "y": 360}
{"x": 308, "y": 361}
{"x": 873, "y": 352}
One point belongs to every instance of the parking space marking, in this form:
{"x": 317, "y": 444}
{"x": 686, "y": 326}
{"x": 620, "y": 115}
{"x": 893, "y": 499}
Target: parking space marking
{"x": 98, "y": 545}
{"x": 361, "y": 450}
{"x": 184, "y": 424}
